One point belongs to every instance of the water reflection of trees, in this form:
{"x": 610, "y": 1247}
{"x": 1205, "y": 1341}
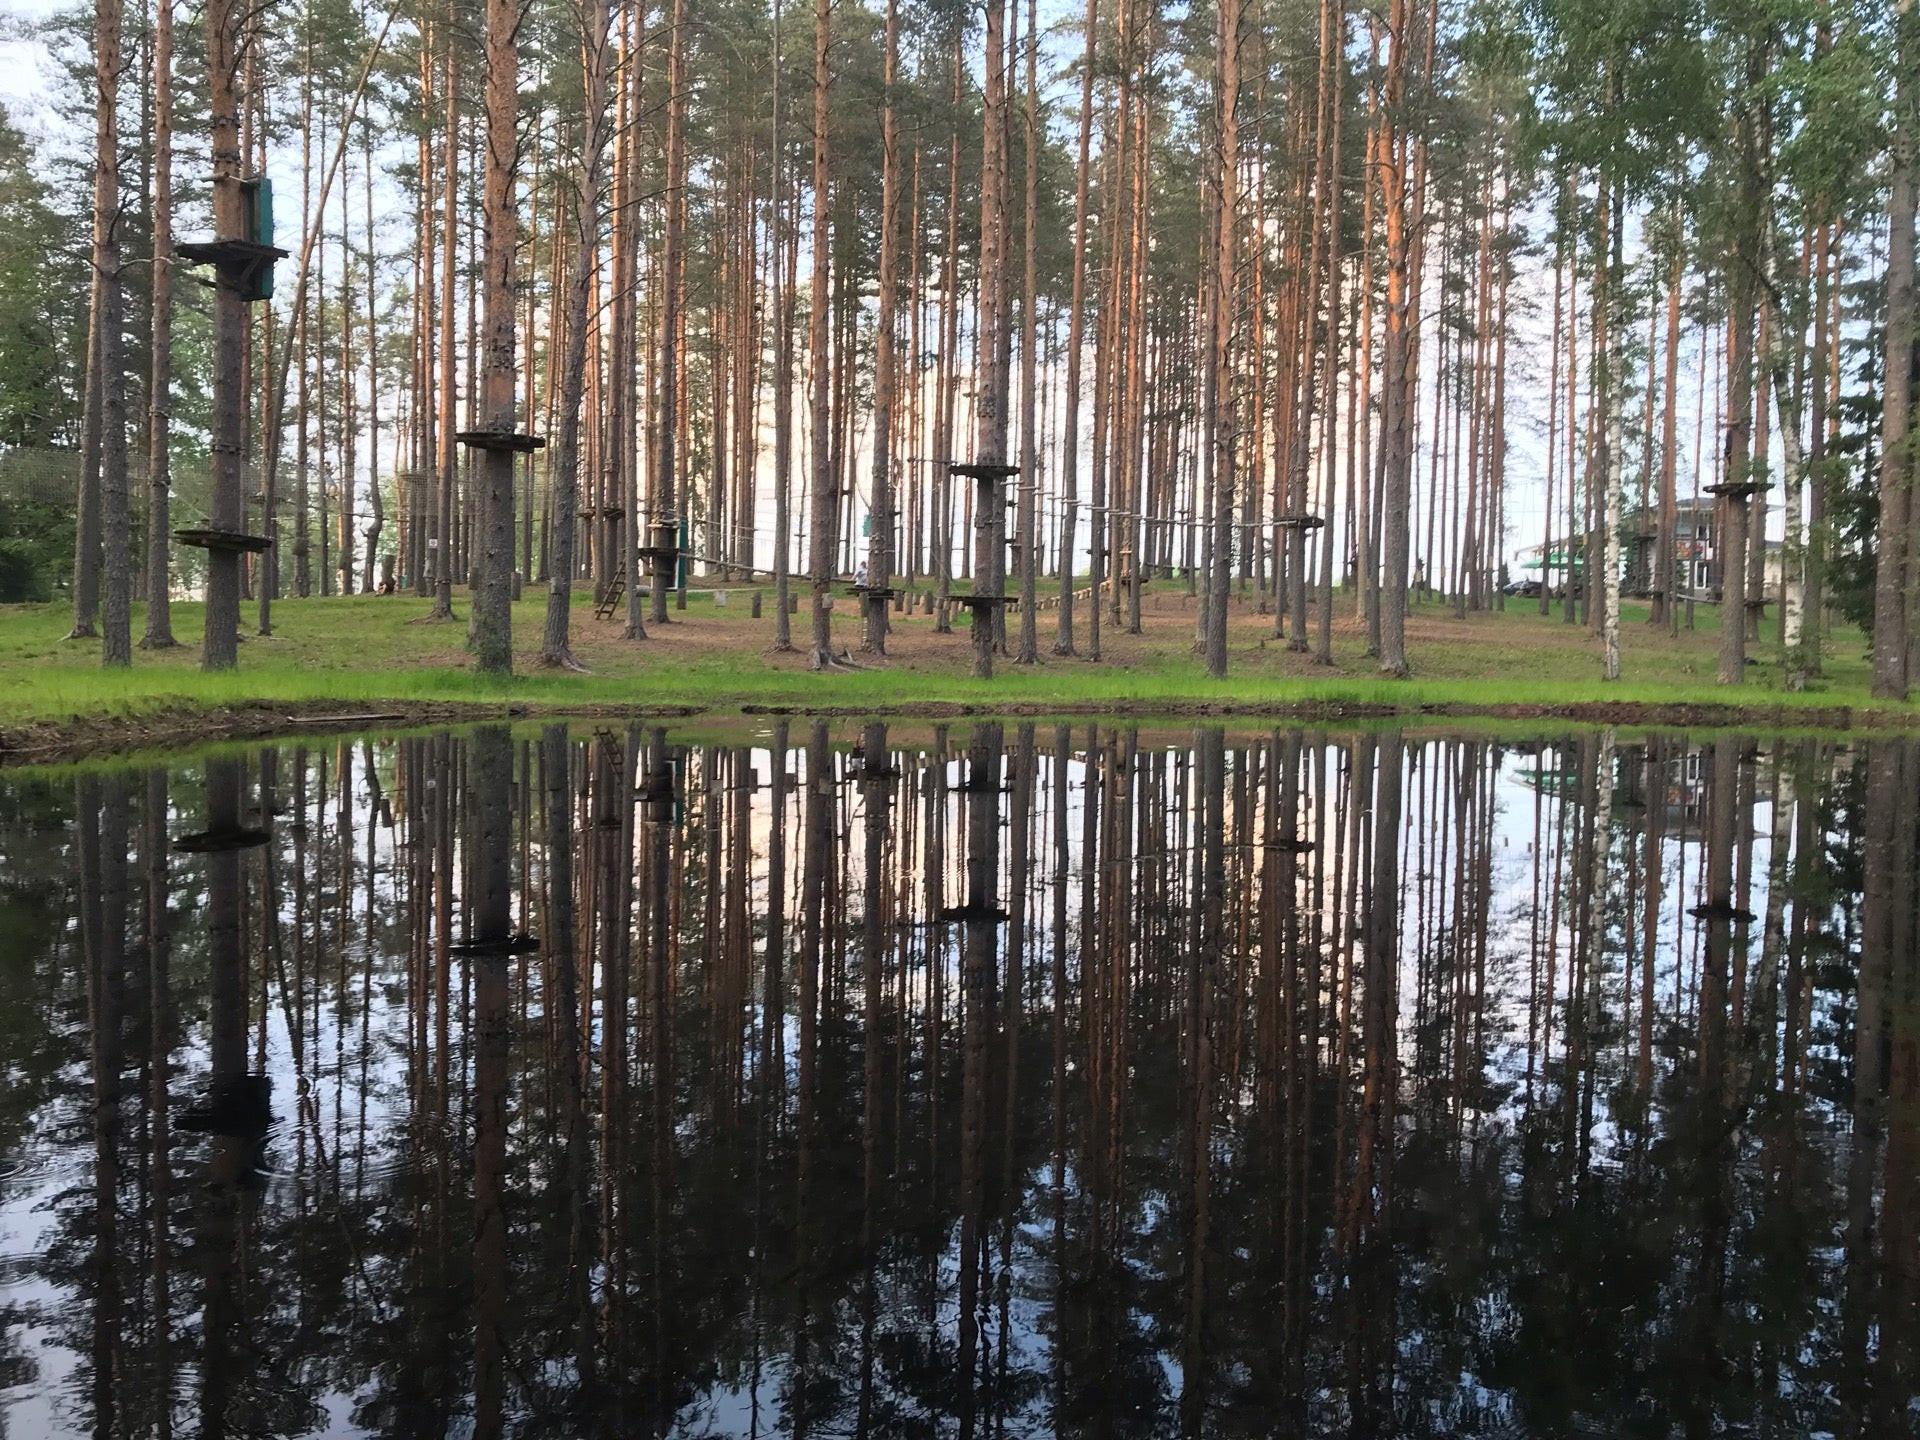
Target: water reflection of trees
{"x": 995, "y": 1079}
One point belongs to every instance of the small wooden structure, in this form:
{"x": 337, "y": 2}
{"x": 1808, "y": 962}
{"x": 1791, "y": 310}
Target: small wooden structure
{"x": 989, "y": 478}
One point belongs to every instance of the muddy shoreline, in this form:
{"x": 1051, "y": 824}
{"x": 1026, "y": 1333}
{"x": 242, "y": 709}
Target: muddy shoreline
{"x": 89, "y": 737}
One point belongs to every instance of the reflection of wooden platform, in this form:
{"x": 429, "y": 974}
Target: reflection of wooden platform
{"x": 247, "y": 263}
{"x": 1291, "y": 845}
{"x": 224, "y": 540}
{"x": 982, "y": 602}
{"x": 1299, "y": 522}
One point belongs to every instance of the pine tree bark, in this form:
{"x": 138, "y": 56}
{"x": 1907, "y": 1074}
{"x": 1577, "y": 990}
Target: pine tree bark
{"x": 449, "y": 241}
{"x": 220, "y": 649}
{"x": 885, "y": 368}
{"x": 1396, "y": 440}
{"x": 823, "y": 527}
{"x": 784, "y": 262}
{"x": 1666, "y": 607}
{"x": 116, "y": 620}
{"x": 492, "y": 605}
{"x": 1745, "y": 255}
{"x": 86, "y": 551}
{"x": 376, "y": 506}
{"x": 1076, "y": 344}
{"x": 1891, "y": 578}
{"x": 1029, "y": 652}
{"x": 556, "y": 647}
{"x": 991, "y": 391}
{"x": 666, "y": 518}
{"x": 1226, "y": 169}
{"x": 159, "y": 627}
{"x": 1607, "y": 386}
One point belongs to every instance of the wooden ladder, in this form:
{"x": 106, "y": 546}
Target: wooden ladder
{"x": 616, "y": 592}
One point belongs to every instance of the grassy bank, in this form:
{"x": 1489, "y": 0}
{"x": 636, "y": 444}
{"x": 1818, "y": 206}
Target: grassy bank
{"x": 374, "y": 651}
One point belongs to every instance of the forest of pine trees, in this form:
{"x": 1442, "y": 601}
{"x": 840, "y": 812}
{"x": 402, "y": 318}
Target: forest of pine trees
{"x": 1295, "y": 304}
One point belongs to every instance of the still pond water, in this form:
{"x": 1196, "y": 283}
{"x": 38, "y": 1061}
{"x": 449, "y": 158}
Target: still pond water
{"x": 988, "y": 1080}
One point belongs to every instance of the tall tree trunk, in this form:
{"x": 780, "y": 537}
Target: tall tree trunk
{"x": 1330, "y": 205}
{"x": 449, "y": 239}
{"x": 1396, "y": 437}
{"x": 1029, "y": 547}
{"x": 86, "y": 552}
{"x": 221, "y": 648}
{"x": 1747, "y": 253}
{"x": 159, "y": 628}
{"x": 1607, "y": 385}
{"x": 1793, "y": 547}
{"x": 376, "y": 506}
{"x": 1226, "y": 174}
{"x": 991, "y": 389}
{"x": 1819, "y": 364}
{"x": 666, "y": 518}
{"x": 493, "y": 535}
{"x": 1076, "y": 344}
{"x": 116, "y": 621}
{"x": 885, "y": 369}
{"x": 1891, "y": 578}
{"x": 783, "y": 240}
{"x": 1666, "y": 598}
{"x": 826, "y": 501}
{"x": 556, "y": 646}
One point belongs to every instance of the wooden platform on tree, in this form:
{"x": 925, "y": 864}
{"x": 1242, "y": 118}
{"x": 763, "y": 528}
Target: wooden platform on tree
{"x": 221, "y": 840}
{"x": 206, "y": 539}
{"x": 508, "y": 440}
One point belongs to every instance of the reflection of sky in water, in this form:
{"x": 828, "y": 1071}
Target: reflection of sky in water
{"x": 354, "y": 1150}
